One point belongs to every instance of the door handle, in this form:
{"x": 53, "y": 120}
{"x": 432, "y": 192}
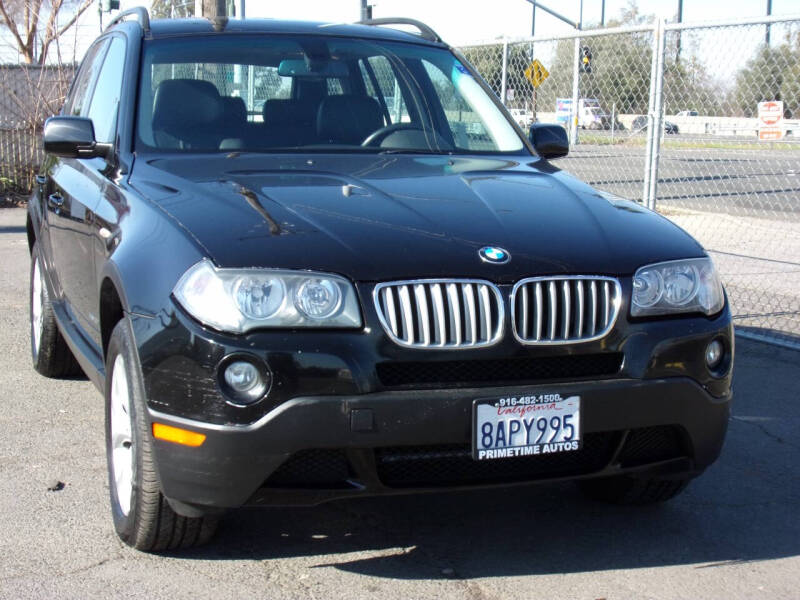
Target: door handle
{"x": 55, "y": 200}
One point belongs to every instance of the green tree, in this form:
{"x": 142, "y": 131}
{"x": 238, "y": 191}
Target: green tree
{"x": 689, "y": 86}
{"x": 772, "y": 74}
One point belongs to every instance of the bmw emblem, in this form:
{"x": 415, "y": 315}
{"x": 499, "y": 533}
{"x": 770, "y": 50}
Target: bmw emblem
{"x": 494, "y": 255}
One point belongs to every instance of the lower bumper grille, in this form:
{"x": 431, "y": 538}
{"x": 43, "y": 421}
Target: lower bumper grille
{"x": 443, "y": 466}
{"x": 312, "y": 469}
{"x": 465, "y": 373}
{"x": 653, "y": 444}
{"x": 452, "y": 465}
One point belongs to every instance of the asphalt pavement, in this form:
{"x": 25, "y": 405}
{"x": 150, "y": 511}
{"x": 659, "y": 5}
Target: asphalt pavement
{"x": 735, "y": 533}
{"x": 698, "y": 175}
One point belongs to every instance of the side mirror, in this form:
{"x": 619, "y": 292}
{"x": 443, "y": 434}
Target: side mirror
{"x": 549, "y": 141}
{"x": 72, "y": 137}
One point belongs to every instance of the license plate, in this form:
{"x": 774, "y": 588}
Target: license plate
{"x": 525, "y": 426}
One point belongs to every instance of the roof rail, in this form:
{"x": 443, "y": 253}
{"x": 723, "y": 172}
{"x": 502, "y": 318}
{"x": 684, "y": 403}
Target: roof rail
{"x": 142, "y": 16}
{"x": 425, "y": 32}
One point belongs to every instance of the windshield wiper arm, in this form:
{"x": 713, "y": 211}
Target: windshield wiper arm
{"x": 415, "y": 151}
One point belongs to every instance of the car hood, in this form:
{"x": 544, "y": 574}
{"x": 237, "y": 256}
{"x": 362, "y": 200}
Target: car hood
{"x": 388, "y": 217}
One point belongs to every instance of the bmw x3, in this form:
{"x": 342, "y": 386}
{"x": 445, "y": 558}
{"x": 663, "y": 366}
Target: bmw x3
{"x": 305, "y": 262}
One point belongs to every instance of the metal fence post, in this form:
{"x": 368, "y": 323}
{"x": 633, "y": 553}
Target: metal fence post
{"x": 573, "y": 128}
{"x": 504, "y": 76}
{"x": 658, "y": 109}
{"x": 648, "y": 153}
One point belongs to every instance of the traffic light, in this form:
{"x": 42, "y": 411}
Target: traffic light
{"x": 586, "y": 59}
{"x": 109, "y": 5}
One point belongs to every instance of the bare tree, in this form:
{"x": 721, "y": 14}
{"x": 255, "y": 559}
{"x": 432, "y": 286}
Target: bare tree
{"x": 169, "y": 9}
{"x": 35, "y": 24}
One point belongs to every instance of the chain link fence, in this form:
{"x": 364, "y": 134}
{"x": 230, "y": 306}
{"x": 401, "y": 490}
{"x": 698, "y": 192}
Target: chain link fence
{"x": 668, "y": 115}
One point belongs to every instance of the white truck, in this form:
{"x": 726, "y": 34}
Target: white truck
{"x": 590, "y": 113}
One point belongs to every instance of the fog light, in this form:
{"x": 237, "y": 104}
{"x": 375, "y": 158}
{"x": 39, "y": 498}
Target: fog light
{"x": 245, "y": 381}
{"x": 714, "y": 353}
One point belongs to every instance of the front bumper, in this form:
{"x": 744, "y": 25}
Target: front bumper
{"x": 345, "y": 446}
{"x": 351, "y": 413}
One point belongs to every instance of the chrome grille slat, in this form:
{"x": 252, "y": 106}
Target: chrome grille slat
{"x": 551, "y": 313}
{"x": 441, "y": 313}
{"x": 422, "y": 313}
{"x": 524, "y": 310}
{"x": 440, "y": 327}
{"x": 469, "y": 311}
{"x": 539, "y": 315}
{"x": 485, "y": 311}
{"x": 565, "y": 309}
{"x": 388, "y": 299}
{"x": 566, "y": 304}
{"x": 455, "y": 313}
{"x": 405, "y": 314}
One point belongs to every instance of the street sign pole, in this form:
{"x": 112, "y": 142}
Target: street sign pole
{"x": 573, "y": 126}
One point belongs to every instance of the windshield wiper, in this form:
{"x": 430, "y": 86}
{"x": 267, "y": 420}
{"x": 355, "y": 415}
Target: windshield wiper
{"x": 415, "y": 151}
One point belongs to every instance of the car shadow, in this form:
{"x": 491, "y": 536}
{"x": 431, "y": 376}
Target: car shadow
{"x": 727, "y": 516}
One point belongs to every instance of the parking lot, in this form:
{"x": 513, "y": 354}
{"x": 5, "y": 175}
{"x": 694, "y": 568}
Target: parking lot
{"x": 733, "y": 534}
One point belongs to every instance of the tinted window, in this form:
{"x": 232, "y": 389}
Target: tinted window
{"x": 77, "y": 103}
{"x": 105, "y": 99}
{"x": 313, "y": 93}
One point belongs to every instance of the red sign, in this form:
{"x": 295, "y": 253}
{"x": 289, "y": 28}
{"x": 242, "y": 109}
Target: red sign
{"x": 769, "y": 113}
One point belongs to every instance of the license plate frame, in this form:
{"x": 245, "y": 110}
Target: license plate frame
{"x": 523, "y": 408}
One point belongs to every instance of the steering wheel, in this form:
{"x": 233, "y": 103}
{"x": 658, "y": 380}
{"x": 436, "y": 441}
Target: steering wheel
{"x": 376, "y": 137}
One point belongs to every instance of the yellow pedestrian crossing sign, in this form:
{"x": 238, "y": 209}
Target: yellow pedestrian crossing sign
{"x": 536, "y": 73}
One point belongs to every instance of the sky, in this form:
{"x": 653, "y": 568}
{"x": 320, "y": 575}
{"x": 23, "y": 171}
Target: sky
{"x": 460, "y": 22}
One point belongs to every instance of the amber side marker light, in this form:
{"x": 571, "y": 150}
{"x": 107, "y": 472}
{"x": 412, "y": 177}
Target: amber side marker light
{"x": 177, "y": 435}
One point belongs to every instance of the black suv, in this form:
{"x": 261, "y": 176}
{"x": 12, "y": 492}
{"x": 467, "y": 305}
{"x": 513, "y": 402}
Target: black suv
{"x": 310, "y": 261}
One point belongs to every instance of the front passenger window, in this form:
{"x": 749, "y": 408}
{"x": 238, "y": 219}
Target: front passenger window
{"x": 79, "y": 94}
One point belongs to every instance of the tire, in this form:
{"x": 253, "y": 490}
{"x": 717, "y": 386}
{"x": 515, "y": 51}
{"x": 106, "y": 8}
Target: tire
{"x": 631, "y": 491}
{"x": 49, "y": 351}
{"x": 142, "y": 516}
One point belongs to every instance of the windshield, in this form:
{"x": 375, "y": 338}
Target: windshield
{"x": 313, "y": 93}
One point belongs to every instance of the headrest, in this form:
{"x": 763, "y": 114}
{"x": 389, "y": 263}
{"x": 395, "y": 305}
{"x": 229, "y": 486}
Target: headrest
{"x": 348, "y": 119}
{"x": 234, "y": 109}
{"x": 277, "y": 111}
{"x": 185, "y": 103}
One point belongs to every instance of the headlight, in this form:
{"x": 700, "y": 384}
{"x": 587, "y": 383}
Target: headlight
{"x": 238, "y": 300}
{"x": 677, "y": 286}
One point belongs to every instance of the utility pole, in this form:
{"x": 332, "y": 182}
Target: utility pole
{"x": 680, "y": 20}
{"x": 366, "y": 10}
{"x": 769, "y": 14}
{"x": 603, "y": 13}
{"x": 573, "y": 125}
{"x": 210, "y": 9}
{"x": 533, "y": 22}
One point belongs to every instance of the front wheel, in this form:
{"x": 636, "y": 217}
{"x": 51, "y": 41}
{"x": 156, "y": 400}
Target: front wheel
{"x": 142, "y": 516}
{"x": 631, "y": 491}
